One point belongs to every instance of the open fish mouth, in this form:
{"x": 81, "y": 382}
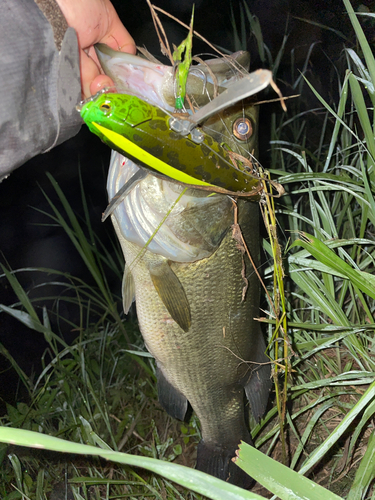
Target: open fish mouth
{"x": 155, "y": 82}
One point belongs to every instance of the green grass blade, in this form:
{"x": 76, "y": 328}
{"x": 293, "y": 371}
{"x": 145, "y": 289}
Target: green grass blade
{"x": 195, "y": 480}
{"x": 319, "y": 452}
{"x": 363, "y": 280}
{"x": 21, "y": 374}
{"x": 318, "y": 295}
{"x": 280, "y": 480}
{"x": 39, "y": 494}
{"x": 30, "y": 322}
{"x": 21, "y": 294}
{"x": 308, "y": 431}
{"x": 340, "y": 113}
{"x": 363, "y": 114}
{"x": 365, "y": 473}
{"x": 360, "y": 427}
{"x": 256, "y": 30}
{"x": 366, "y": 49}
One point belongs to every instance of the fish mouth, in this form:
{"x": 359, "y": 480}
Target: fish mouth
{"x": 137, "y": 76}
{"x": 155, "y": 82}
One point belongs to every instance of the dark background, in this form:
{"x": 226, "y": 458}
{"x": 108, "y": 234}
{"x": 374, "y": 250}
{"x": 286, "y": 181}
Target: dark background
{"x": 27, "y": 237}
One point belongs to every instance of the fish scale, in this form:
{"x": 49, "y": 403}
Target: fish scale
{"x": 219, "y": 319}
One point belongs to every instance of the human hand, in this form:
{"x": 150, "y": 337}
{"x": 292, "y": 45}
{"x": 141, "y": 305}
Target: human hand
{"x": 95, "y": 21}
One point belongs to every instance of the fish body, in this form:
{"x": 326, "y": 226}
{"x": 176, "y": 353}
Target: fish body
{"x": 188, "y": 284}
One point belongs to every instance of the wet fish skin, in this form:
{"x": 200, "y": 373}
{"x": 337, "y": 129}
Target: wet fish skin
{"x": 212, "y": 363}
{"x": 216, "y": 356}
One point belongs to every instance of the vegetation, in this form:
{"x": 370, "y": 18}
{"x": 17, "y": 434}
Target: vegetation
{"x": 93, "y": 395}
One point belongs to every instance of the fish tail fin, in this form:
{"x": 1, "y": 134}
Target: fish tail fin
{"x": 217, "y": 461}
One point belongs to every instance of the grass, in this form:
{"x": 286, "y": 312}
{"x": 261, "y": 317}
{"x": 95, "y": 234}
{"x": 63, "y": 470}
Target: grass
{"x": 100, "y": 391}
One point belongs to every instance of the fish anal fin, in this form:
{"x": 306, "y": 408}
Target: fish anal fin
{"x": 217, "y": 461}
{"x": 170, "y": 398}
{"x": 128, "y": 289}
{"x": 172, "y": 293}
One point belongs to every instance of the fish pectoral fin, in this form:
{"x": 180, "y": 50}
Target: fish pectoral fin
{"x": 170, "y": 398}
{"x": 128, "y": 289}
{"x": 172, "y": 293}
{"x": 139, "y": 175}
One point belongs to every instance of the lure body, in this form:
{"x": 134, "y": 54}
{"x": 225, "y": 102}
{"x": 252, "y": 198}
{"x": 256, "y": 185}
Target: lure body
{"x": 142, "y": 132}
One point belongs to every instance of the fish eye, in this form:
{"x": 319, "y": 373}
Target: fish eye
{"x": 105, "y": 107}
{"x": 242, "y": 128}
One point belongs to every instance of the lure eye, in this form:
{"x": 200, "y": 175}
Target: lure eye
{"x": 105, "y": 108}
{"x": 242, "y": 128}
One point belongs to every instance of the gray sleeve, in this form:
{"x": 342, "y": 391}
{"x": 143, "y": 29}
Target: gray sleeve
{"x": 39, "y": 83}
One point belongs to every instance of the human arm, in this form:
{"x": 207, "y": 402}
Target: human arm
{"x": 40, "y": 77}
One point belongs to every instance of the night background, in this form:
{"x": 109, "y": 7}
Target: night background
{"x": 29, "y": 239}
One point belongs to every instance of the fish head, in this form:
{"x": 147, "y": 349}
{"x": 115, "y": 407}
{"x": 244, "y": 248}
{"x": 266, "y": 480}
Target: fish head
{"x": 199, "y": 221}
{"x": 235, "y": 127}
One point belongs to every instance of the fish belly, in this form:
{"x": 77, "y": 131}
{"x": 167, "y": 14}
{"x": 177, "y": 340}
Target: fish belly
{"x": 220, "y": 355}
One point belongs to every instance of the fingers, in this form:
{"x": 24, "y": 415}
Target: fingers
{"x": 91, "y": 79}
{"x": 100, "y": 82}
{"x": 117, "y": 36}
{"x": 95, "y": 21}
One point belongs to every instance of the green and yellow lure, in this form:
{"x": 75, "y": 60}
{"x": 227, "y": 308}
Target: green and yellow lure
{"x": 143, "y": 133}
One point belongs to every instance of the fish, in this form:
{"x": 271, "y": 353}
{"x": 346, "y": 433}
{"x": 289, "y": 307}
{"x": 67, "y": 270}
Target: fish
{"x": 196, "y": 292}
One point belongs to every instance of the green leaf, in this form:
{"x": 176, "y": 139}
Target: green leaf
{"x": 195, "y": 480}
{"x": 280, "y": 480}
{"x": 364, "y": 281}
{"x": 365, "y": 473}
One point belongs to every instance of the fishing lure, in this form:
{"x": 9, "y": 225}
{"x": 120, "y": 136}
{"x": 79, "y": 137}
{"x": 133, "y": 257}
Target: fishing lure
{"x": 144, "y": 133}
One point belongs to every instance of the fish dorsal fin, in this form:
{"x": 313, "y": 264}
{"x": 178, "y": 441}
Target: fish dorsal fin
{"x": 172, "y": 293}
{"x": 170, "y": 398}
{"x": 128, "y": 289}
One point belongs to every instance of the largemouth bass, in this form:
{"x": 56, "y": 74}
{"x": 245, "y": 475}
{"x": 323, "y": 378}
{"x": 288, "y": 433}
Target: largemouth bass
{"x": 188, "y": 282}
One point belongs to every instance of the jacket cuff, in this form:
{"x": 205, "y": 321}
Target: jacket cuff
{"x": 56, "y": 19}
{"x": 68, "y": 79}
{"x": 68, "y": 90}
